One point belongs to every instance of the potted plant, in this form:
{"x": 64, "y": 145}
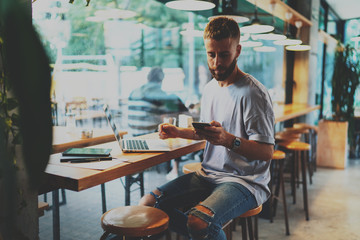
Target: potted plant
{"x": 335, "y": 133}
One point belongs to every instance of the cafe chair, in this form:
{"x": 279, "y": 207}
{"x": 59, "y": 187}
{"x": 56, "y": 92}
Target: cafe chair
{"x": 299, "y": 151}
{"x": 245, "y": 219}
{"x": 277, "y": 178}
{"x": 134, "y": 222}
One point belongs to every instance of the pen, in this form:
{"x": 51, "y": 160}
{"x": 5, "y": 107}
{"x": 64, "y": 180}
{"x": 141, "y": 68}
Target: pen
{"x": 83, "y": 160}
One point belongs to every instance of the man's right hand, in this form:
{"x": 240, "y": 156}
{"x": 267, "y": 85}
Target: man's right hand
{"x": 167, "y": 130}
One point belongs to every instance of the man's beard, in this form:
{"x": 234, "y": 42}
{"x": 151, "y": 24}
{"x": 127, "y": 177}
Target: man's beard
{"x": 226, "y": 74}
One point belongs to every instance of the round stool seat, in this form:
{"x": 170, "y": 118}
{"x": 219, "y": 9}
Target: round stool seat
{"x": 135, "y": 221}
{"x": 252, "y": 212}
{"x": 296, "y": 130}
{"x": 306, "y": 126}
{"x": 277, "y": 155}
{"x": 295, "y": 145}
{"x": 191, "y": 167}
{"x": 287, "y": 136}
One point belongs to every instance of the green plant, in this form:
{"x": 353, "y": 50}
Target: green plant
{"x": 345, "y": 80}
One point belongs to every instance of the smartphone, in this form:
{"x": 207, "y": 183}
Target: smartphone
{"x": 200, "y": 125}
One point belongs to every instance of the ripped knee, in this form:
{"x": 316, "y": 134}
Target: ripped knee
{"x": 198, "y": 221}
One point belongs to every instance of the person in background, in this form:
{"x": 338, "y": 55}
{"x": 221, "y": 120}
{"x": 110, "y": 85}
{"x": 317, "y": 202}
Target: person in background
{"x": 148, "y": 104}
{"x": 239, "y": 145}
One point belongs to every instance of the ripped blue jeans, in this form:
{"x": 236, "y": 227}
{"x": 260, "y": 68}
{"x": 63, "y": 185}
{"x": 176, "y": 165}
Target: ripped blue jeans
{"x": 226, "y": 201}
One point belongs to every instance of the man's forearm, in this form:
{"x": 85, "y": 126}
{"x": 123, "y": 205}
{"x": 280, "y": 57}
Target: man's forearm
{"x": 188, "y": 133}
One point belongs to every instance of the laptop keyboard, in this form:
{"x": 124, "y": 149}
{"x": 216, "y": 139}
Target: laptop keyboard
{"x": 136, "y": 144}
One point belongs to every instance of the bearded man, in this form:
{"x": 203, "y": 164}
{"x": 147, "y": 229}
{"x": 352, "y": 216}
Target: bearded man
{"x": 239, "y": 147}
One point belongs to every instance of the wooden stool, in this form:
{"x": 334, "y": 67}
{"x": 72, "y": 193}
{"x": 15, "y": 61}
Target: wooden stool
{"x": 247, "y": 224}
{"x": 311, "y": 138}
{"x": 134, "y": 221}
{"x": 42, "y": 206}
{"x": 299, "y": 150}
{"x": 191, "y": 167}
{"x": 287, "y": 136}
{"x": 277, "y": 173}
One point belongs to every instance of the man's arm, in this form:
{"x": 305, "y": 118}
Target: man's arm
{"x": 250, "y": 149}
{"x": 170, "y": 131}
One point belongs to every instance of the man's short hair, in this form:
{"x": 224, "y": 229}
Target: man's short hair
{"x": 156, "y": 75}
{"x": 221, "y": 28}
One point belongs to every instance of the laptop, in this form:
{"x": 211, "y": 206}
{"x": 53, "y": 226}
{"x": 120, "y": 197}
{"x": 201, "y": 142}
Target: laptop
{"x": 135, "y": 145}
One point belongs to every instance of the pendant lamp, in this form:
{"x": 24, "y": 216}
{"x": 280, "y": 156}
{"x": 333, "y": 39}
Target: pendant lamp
{"x": 190, "y": 5}
{"x": 228, "y": 11}
{"x": 289, "y": 40}
{"x": 256, "y": 26}
{"x": 273, "y": 36}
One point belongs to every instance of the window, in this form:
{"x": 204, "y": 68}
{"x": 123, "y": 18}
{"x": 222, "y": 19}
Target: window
{"x": 101, "y": 53}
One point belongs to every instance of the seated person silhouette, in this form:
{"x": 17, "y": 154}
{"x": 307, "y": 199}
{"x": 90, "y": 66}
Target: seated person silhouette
{"x": 148, "y": 104}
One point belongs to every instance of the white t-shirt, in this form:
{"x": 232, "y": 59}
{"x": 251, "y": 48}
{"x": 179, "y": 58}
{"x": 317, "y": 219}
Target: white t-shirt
{"x": 243, "y": 109}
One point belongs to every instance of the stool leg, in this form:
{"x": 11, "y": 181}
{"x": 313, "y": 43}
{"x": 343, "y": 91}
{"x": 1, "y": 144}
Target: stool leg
{"x": 243, "y": 228}
{"x": 293, "y": 190}
{"x": 127, "y": 190}
{"x": 309, "y": 166}
{"x": 271, "y": 201}
{"x": 104, "y": 236}
{"x": 303, "y": 169}
{"x": 141, "y": 180}
{"x": 281, "y": 181}
{"x": 250, "y": 228}
{"x": 103, "y": 198}
{"x": 277, "y": 190}
{"x": 256, "y": 230}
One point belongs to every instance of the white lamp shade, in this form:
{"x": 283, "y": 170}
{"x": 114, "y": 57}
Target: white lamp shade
{"x": 268, "y": 36}
{"x": 190, "y": 5}
{"x": 288, "y": 42}
{"x": 298, "y": 48}
{"x": 256, "y": 28}
{"x": 251, "y": 44}
{"x": 265, "y": 49}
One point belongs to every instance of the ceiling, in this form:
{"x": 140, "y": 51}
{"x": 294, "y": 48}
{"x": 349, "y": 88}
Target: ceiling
{"x": 345, "y": 9}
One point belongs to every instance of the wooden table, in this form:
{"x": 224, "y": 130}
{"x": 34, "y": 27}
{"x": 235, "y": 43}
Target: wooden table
{"x": 63, "y": 138}
{"x": 59, "y": 175}
{"x": 285, "y": 112}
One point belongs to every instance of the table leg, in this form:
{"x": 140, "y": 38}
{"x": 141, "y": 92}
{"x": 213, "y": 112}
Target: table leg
{"x": 56, "y": 214}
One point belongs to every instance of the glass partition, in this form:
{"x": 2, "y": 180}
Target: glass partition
{"x": 101, "y": 53}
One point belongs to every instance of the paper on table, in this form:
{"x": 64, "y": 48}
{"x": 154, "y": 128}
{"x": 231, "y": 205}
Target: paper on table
{"x": 98, "y": 165}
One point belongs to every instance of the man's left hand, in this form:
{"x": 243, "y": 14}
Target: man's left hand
{"x": 216, "y": 134}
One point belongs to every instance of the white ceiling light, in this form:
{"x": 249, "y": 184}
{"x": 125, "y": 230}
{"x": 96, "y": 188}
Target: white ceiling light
{"x": 190, "y": 5}
{"x": 288, "y": 41}
{"x": 268, "y": 36}
{"x": 251, "y": 44}
{"x": 265, "y": 49}
{"x": 298, "y": 48}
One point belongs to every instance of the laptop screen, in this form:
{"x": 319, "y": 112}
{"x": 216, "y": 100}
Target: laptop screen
{"x": 112, "y": 125}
